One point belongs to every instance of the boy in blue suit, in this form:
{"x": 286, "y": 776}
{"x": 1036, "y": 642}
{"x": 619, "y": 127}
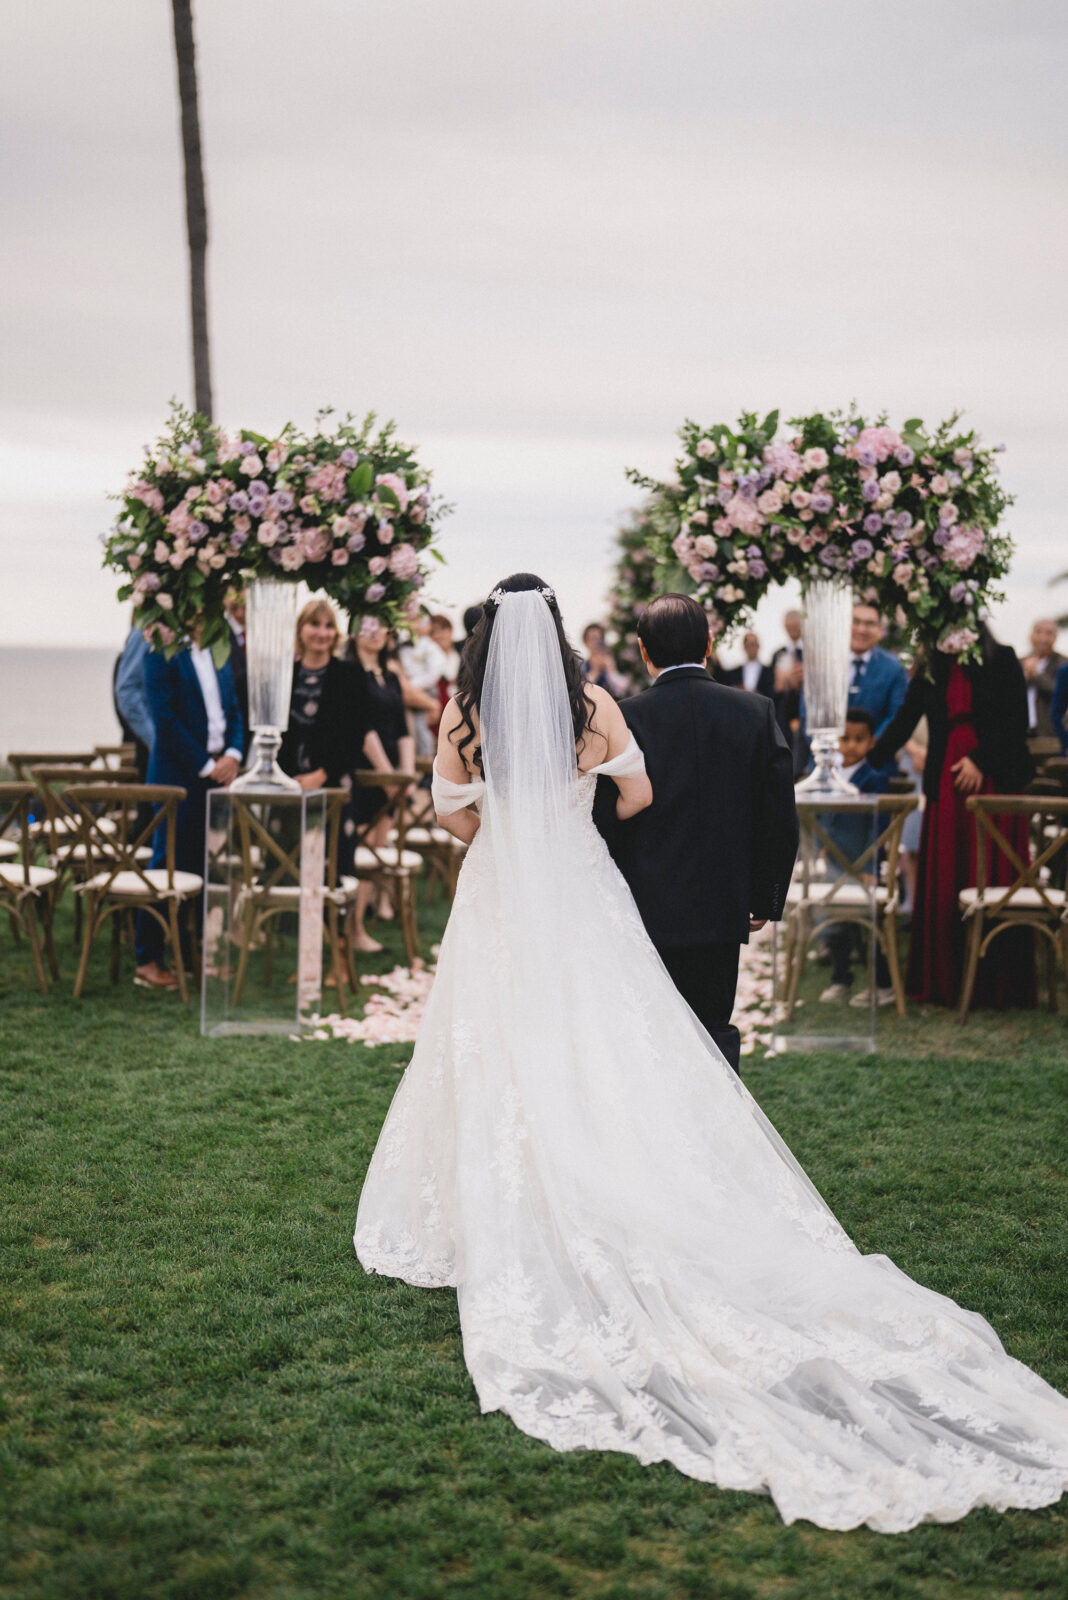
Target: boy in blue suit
{"x": 852, "y": 835}
{"x": 199, "y": 737}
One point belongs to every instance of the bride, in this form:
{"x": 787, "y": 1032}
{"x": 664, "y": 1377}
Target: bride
{"x": 640, "y": 1263}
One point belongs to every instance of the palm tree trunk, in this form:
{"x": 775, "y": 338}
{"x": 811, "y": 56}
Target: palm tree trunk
{"x": 196, "y": 210}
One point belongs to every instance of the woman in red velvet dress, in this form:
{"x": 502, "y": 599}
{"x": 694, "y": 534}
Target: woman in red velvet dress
{"x": 977, "y": 715}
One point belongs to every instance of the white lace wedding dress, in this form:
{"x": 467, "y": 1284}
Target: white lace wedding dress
{"x": 641, "y": 1265}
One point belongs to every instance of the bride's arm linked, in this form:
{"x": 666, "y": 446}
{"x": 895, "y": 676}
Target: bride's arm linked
{"x": 608, "y": 737}
{"x": 449, "y": 764}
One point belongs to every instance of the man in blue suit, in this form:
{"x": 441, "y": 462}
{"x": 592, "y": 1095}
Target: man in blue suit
{"x": 199, "y": 737}
{"x": 877, "y": 680}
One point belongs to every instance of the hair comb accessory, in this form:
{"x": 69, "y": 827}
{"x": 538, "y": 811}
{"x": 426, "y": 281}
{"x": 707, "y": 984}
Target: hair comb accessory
{"x": 497, "y": 595}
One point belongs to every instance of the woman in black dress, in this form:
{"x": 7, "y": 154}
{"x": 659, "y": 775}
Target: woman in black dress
{"x": 388, "y": 748}
{"x": 328, "y": 713}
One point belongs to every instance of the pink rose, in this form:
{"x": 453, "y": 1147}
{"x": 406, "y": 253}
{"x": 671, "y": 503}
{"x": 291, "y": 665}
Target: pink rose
{"x": 882, "y": 440}
{"x": 404, "y": 562}
{"x": 314, "y": 543}
{"x": 705, "y": 448}
{"x": 242, "y": 524}
{"x": 705, "y": 545}
{"x": 726, "y": 477}
{"x": 962, "y": 457}
{"x": 801, "y": 499}
{"x": 276, "y": 456}
{"x": 377, "y": 565}
{"x": 340, "y": 557}
{"x": 722, "y": 527}
{"x": 267, "y": 533}
{"x": 341, "y": 527}
{"x": 216, "y": 492}
{"x": 385, "y": 533}
{"x": 783, "y": 460}
{"x": 179, "y": 519}
{"x": 701, "y": 518}
{"x": 417, "y": 516}
{"x": 162, "y": 552}
{"x": 956, "y": 640}
{"x": 769, "y": 503}
{"x": 939, "y": 485}
{"x": 903, "y": 572}
{"x": 744, "y": 515}
{"x": 292, "y": 559}
{"x": 815, "y": 459}
{"x": 164, "y": 600}
{"x": 134, "y": 561}
{"x": 251, "y": 466}
{"x": 393, "y": 480}
{"x": 948, "y": 514}
{"x": 309, "y": 505}
{"x": 963, "y": 545}
{"x": 683, "y": 547}
{"x": 329, "y": 480}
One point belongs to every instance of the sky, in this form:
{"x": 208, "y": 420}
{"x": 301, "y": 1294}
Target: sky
{"x": 538, "y": 235}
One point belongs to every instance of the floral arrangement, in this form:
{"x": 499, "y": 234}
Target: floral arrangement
{"x": 348, "y": 511}
{"x": 909, "y": 517}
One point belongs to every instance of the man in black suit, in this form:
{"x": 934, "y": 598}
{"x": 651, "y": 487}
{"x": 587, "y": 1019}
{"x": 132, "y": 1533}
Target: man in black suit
{"x": 752, "y": 674}
{"x": 710, "y": 860}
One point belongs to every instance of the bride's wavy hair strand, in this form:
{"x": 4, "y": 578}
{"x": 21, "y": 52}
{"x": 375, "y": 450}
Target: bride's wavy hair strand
{"x": 476, "y": 653}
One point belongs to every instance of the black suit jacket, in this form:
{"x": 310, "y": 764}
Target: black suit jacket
{"x": 718, "y": 843}
{"x": 335, "y": 739}
{"x": 765, "y": 683}
{"x": 999, "y": 716}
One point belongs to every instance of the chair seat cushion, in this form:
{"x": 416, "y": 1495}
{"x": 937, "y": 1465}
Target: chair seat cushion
{"x": 13, "y": 875}
{"x": 8, "y": 849}
{"x": 1022, "y": 900}
{"x": 131, "y": 884}
{"x": 848, "y": 894}
{"x": 368, "y": 861}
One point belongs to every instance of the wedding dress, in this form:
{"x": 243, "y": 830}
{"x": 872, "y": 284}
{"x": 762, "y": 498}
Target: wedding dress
{"x": 640, "y": 1263}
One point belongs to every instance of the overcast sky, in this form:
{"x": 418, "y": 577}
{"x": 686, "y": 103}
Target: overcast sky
{"x": 538, "y": 235}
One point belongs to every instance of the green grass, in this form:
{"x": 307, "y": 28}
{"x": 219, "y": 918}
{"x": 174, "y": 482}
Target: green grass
{"x": 204, "y": 1396}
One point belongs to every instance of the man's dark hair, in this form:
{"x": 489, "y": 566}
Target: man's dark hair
{"x": 674, "y": 629}
{"x": 862, "y": 715}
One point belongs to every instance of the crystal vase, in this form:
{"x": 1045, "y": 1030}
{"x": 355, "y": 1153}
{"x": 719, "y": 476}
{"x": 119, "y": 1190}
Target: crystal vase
{"x": 270, "y": 629}
{"x": 826, "y": 623}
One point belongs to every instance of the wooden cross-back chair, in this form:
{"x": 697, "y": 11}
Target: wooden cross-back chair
{"x": 60, "y": 830}
{"x": 270, "y": 882}
{"x": 442, "y": 852}
{"x": 1031, "y": 899}
{"x": 391, "y": 867}
{"x": 23, "y": 760}
{"x": 116, "y": 755}
{"x": 117, "y": 878}
{"x": 25, "y": 888}
{"x": 814, "y": 902}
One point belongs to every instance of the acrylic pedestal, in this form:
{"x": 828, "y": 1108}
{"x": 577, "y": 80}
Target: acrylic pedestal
{"x": 833, "y": 898}
{"x": 263, "y": 912}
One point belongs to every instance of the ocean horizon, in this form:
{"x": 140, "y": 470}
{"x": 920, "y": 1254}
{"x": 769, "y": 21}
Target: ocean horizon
{"x": 55, "y": 699}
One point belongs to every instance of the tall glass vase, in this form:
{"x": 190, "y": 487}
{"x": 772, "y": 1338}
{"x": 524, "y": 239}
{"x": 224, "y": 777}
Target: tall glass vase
{"x": 826, "y": 623}
{"x": 270, "y": 628}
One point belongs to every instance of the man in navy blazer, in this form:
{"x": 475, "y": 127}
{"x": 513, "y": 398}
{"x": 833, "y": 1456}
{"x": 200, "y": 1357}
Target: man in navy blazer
{"x": 877, "y": 680}
{"x": 199, "y": 737}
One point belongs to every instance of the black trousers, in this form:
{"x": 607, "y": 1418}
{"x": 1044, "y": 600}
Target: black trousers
{"x": 706, "y": 975}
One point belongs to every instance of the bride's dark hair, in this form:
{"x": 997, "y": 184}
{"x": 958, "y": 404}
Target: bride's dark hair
{"x": 476, "y": 653}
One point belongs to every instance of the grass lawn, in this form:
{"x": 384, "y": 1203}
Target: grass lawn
{"x": 203, "y": 1395}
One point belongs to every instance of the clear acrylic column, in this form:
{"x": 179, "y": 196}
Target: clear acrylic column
{"x": 824, "y": 949}
{"x": 826, "y": 623}
{"x": 264, "y": 877}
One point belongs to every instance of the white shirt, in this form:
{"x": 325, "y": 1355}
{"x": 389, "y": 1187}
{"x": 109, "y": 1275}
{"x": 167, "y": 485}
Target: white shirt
{"x": 207, "y": 677}
{"x": 1041, "y": 663}
{"x": 424, "y": 662}
{"x": 751, "y": 671}
{"x": 681, "y": 666}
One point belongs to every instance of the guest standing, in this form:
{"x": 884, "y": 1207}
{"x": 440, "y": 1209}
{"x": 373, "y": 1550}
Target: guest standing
{"x": 1058, "y": 709}
{"x": 198, "y": 742}
{"x": 395, "y": 752}
{"x": 1040, "y": 670}
{"x": 977, "y": 744}
{"x": 327, "y": 709}
{"x": 599, "y": 666}
{"x": 877, "y": 680}
{"x": 131, "y": 701}
{"x": 422, "y": 664}
{"x": 752, "y": 675}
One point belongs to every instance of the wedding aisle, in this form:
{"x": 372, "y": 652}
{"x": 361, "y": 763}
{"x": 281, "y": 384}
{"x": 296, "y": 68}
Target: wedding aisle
{"x": 205, "y": 1396}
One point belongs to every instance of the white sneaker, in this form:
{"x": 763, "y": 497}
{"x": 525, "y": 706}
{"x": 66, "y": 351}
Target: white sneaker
{"x": 883, "y": 997}
{"x": 836, "y": 991}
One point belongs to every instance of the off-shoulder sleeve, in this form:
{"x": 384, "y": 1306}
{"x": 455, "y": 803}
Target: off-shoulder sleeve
{"x": 449, "y": 797}
{"x": 628, "y": 764}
